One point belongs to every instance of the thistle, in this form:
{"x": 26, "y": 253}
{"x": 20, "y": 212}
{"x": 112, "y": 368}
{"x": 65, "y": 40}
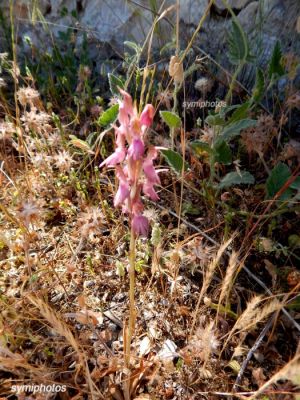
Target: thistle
{"x": 133, "y": 163}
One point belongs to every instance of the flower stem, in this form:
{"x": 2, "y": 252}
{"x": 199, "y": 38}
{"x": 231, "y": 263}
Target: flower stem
{"x": 132, "y": 313}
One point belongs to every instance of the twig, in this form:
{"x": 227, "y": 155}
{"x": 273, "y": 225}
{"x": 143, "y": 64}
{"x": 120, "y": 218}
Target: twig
{"x": 251, "y": 352}
{"x": 247, "y": 270}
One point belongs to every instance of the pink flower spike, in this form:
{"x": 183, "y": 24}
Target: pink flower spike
{"x": 123, "y": 116}
{"x": 122, "y": 193}
{"x": 149, "y": 191}
{"x": 136, "y": 149}
{"x": 150, "y": 172}
{"x": 140, "y": 225}
{"x": 115, "y": 158}
{"x": 127, "y": 102}
{"x": 147, "y": 115}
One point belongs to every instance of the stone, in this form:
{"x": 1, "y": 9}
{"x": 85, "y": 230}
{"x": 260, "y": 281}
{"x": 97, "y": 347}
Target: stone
{"x": 234, "y": 4}
{"x": 111, "y": 22}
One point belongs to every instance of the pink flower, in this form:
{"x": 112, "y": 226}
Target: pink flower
{"x": 148, "y": 166}
{"x": 131, "y": 163}
{"x": 147, "y": 115}
{"x": 150, "y": 172}
{"x": 115, "y": 158}
{"x": 140, "y": 225}
{"x": 127, "y": 102}
{"x": 122, "y": 193}
{"x": 136, "y": 149}
{"x": 148, "y": 189}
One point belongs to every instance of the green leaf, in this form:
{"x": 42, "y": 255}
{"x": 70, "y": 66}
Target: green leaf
{"x": 171, "y": 119}
{"x": 258, "y": 91}
{"x": 294, "y": 241}
{"x": 114, "y": 84}
{"x": 236, "y": 178}
{"x": 278, "y": 177}
{"x": 135, "y": 47}
{"x": 190, "y": 208}
{"x": 214, "y": 119}
{"x": 222, "y": 153}
{"x": 109, "y": 116}
{"x": 233, "y": 130}
{"x": 275, "y": 67}
{"x": 295, "y": 304}
{"x": 296, "y": 184}
{"x": 199, "y": 147}
{"x": 238, "y": 44}
{"x": 241, "y": 112}
{"x": 175, "y": 160}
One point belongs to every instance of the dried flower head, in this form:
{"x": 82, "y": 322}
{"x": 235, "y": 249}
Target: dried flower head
{"x": 7, "y": 129}
{"x": 134, "y": 166}
{"x": 54, "y": 139}
{"x": 204, "y": 342}
{"x": 204, "y": 85}
{"x": 90, "y": 222}
{"x": 29, "y": 212}
{"x": 63, "y": 161}
{"x": 258, "y": 138}
{"x": 40, "y": 159}
{"x": 36, "y": 121}
{"x": 208, "y": 135}
{"x": 27, "y": 95}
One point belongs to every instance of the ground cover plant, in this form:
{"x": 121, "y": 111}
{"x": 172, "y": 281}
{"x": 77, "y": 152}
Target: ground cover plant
{"x": 149, "y": 242}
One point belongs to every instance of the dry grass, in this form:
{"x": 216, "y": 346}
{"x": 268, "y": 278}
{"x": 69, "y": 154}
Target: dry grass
{"x": 64, "y": 262}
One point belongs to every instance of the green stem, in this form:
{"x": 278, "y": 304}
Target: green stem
{"x": 228, "y": 97}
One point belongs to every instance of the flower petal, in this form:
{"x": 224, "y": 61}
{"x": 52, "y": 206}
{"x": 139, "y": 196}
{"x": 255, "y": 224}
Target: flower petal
{"x": 148, "y": 189}
{"x": 122, "y": 194}
{"x": 115, "y": 158}
{"x": 136, "y": 149}
{"x": 147, "y": 115}
{"x": 140, "y": 225}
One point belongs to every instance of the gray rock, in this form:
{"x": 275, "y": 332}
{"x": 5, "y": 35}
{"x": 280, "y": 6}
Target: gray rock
{"x": 234, "y": 4}
{"x": 108, "y": 23}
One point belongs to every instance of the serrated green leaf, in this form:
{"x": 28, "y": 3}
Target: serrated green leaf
{"x": 233, "y": 130}
{"x": 278, "y": 177}
{"x": 171, "y": 119}
{"x": 239, "y": 52}
{"x": 275, "y": 67}
{"x": 175, "y": 160}
{"x": 236, "y": 178}
{"x": 109, "y": 116}
{"x": 222, "y": 153}
{"x": 115, "y": 83}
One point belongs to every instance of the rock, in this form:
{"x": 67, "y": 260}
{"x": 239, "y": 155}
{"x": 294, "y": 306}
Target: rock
{"x": 192, "y": 10}
{"x": 109, "y": 23}
{"x": 234, "y": 4}
{"x": 248, "y": 15}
